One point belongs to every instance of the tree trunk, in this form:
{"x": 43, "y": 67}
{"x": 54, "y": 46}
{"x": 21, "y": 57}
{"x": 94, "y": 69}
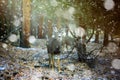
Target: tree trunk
{"x": 97, "y": 37}
{"x": 3, "y": 20}
{"x": 91, "y": 35}
{"x": 40, "y": 28}
{"x": 105, "y": 42}
{"x": 26, "y": 22}
{"x": 21, "y": 29}
{"x": 50, "y": 30}
{"x": 58, "y": 23}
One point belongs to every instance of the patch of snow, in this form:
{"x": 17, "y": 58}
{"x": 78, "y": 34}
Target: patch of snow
{"x": 87, "y": 73}
{"x": 2, "y": 68}
{"x": 85, "y": 78}
{"x": 71, "y": 67}
{"x": 34, "y": 49}
{"x": 101, "y": 78}
{"x": 39, "y": 43}
{"x": 35, "y": 78}
{"x": 109, "y": 4}
{"x": 13, "y": 38}
{"x": 92, "y": 40}
{"x": 112, "y": 72}
{"x": 53, "y": 74}
{"x": 116, "y": 63}
{"x": 76, "y": 77}
{"x": 41, "y": 54}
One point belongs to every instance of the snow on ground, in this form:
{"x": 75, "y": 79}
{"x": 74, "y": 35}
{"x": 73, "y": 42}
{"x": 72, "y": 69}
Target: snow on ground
{"x": 32, "y": 64}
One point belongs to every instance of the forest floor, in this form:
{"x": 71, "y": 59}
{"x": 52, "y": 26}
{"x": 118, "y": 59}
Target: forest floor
{"x": 32, "y": 64}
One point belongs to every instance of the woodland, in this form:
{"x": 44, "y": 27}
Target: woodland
{"x": 59, "y": 40}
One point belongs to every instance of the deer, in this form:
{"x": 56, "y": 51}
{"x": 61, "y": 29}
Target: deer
{"x": 55, "y": 45}
{"x": 54, "y": 48}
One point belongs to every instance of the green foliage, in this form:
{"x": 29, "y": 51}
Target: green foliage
{"x": 88, "y": 13}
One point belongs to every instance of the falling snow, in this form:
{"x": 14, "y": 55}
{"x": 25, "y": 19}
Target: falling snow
{"x": 32, "y": 39}
{"x": 71, "y": 10}
{"x": 66, "y": 14}
{"x": 13, "y": 38}
{"x": 71, "y": 14}
{"x": 4, "y": 45}
{"x": 3, "y": 1}
{"x": 109, "y": 4}
{"x": 116, "y": 63}
{"x": 79, "y": 32}
{"x": 54, "y": 3}
{"x": 112, "y": 47}
{"x": 17, "y": 21}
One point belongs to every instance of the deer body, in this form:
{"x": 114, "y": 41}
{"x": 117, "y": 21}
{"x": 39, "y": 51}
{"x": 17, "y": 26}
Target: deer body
{"x": 54, "y": 48}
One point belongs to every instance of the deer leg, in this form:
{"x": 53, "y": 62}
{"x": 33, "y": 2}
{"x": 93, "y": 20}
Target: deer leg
{"x": 58, "y": 61}
{"x": 52, "y": 62}
{"x": 66, "y": 47}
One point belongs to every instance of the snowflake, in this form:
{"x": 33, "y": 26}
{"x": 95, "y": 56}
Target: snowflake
{"x": 32, "y": 39}
{"x": 112, "y": 47}
{"x": 79, "y": 32}
{"x": 13, "y": 38}
{"x": 16, "y": 22}
{"x": 71, "y": 10}
{"x": 54, "y": 3}
{"x": 116, "y": 63}
{"x": 3, "y": 1}
{"x": 109, "y": 4}
{"x": 4, "y": 45}
{"x": 67, "y": 15}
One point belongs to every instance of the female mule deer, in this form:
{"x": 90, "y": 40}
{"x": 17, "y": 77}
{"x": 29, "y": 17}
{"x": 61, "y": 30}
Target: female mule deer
{"x": 54, "y": 48}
